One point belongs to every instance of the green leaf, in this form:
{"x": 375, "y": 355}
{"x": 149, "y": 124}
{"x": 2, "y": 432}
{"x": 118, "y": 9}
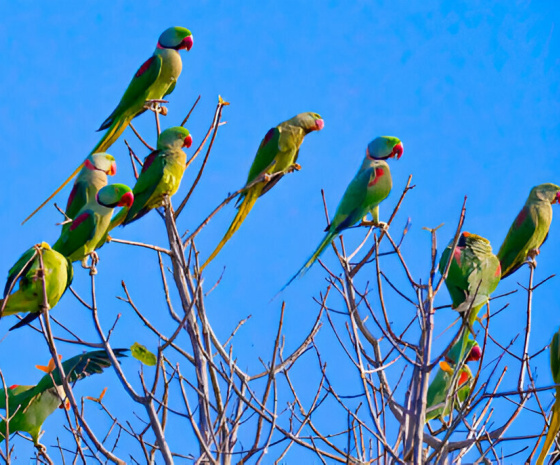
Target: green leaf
{"x": 139, "y": 352}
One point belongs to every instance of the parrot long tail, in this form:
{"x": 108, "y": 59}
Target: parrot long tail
{"x": 329, "y": 237}
{"x": 553, "y": 428}
{"x": 110, "y": 136}
{"x": 250, "y": 198}
{"x": 26, "y": 320}
{"x": 113, "y": 133}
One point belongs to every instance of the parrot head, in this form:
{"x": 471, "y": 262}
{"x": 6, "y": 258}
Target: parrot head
{"x": 475, "y": 354}
{"x": 177, "y": 38}
{"x": 115, "y": 195}
{"x": 176, "y": 137}
{"x": 548, "y": 192}
{"x": 384, "y": 147}
{"x": 472, "y": 351}
{"x": 102, "y": 162}
{"x": 308, "y": 121}
{"x": 477, "y": 244}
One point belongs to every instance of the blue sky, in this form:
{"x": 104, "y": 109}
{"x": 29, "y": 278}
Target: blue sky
{"x": 471, "y": 89}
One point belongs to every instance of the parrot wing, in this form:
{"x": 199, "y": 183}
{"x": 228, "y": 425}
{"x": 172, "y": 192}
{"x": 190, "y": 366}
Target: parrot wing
{"x": 267, "y": 152}
{"x": 150, "y": 176}
{"x": 352, "y": 206}
{"x": 79, "y": 367}
{"x": 484, "y": 279}
{"x": 76, "y": 200}
{"x": 512, "y": 251}
{"x": 22, "y": 266}
{"x": 146, "y": 75}
{"x": 457, "y": 281}
{"x": 81, "y": 230}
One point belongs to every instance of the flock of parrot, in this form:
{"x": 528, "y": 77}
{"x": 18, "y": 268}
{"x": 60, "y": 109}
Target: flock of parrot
{"x": 43, "y": 273}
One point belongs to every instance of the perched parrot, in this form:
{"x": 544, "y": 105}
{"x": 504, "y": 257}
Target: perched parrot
{"x": 92, "y": 178}
{"x": 155, "y": 79}
{"x": 474, "y": 273}
{"x": 277, "y": 153}
{"x": 554, "y": 421}
{"x": 85, "y": 233}
{"x": 28, "y": 298}
{"x": 370, "y": 186}
{"x": 161, "y": 175}
{"x": 440, "y": 387}
{"x": 530, "y": 228}
{"x": 35, "y": 403}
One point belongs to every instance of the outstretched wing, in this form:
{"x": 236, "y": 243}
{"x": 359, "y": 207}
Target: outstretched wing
{"x": 79, "y": 367}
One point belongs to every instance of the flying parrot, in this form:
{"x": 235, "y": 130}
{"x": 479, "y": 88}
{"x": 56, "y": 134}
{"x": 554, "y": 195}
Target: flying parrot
{"x": 440, "y": 387}
{"x": 155, "y": 79}
{"x": 370, "y": 186}
{"x": 28, "y": 298}
{"x": 161, "y": 175}
{"x": 277, "y": 153}
{"x": 31, "y": 405}
{"x": 554, "y": 422}
{"x": 530, "y": 228}
{"x": 92, "y": 178}
{"x": 85, "y": 233}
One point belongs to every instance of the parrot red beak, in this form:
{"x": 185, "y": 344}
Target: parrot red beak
{"x": 126, "y": 200}
{"x": 319, "y": 124}
{"x": 188, "y": 141}
{"x": 112, "y": 169}
{"x": 187, "y": 43}
{"x": 398, "y": 150}
{"x": 475, "y": 355}
{"x": 463, "y": 378}
{"x": 557, "y": 197}
{"x": 13, "y": 386}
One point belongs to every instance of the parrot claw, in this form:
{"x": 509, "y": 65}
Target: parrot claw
{"x": 156, "y": 106}
{"x": 94, "y": 261}
{"x": 293, "y": 167}
{"x": 373, "y": 224}
{"x": 533, "y": 253}
{"x": 383, "y": 226}
{"x": 266, "y": 177}
{"x": 41, "y": 448}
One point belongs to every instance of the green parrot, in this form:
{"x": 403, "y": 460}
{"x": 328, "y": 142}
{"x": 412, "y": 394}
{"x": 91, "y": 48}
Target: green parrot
{"x": 85, "y": 233}
{"x": 277, "y": 153}
{"x": 92, "y": 178}
{"x": 28, "y": 298}
{"x": 441, "y": 385}
{"x": 530, "y": 228}
{"x": 554, "y": 421}
{"x": 155, "y": 79}
{"x": 474, "y": 273}
{"x": 31, "y": 405}
{"x": 370, "y": 186}
{"x": 161, "y": 175}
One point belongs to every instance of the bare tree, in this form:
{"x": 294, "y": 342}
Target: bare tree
{"x": 385, "y": 322}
